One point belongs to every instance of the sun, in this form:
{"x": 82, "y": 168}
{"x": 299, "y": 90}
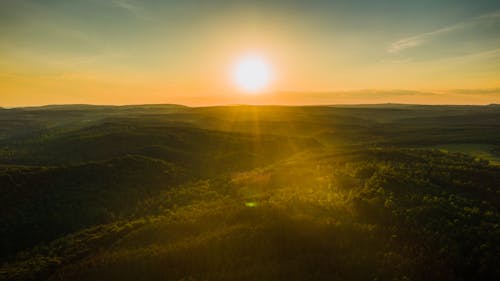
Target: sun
{"x": 252, "y": 74}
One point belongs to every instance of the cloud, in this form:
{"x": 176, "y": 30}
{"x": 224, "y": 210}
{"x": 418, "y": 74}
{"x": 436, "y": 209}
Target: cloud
{"x": 419, "y": 39}
{"x": 488, "y": 91}
{"x": 133, "y": 8}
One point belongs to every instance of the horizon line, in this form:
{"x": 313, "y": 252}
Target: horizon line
{"x": 241, "y": 104}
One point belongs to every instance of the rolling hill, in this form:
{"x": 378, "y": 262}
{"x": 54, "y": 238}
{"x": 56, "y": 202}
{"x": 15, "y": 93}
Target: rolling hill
{"x": 168, "y": 192}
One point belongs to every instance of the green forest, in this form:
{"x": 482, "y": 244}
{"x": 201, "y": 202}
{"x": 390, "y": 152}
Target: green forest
{"x": 169, "y": 192}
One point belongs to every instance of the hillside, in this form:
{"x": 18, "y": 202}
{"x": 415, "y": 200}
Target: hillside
{"x": 167, "y": 192}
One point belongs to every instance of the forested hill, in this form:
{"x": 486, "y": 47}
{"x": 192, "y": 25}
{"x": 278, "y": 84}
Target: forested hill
{"x": 169, "y": 192}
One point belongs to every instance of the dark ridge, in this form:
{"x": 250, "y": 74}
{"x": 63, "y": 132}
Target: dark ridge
{"x": 92, "y": 106}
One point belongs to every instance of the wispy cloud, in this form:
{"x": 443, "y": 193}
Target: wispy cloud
{"x": 134, "y": 8}
{"x": 487, "y": 91}
{"x": 419, "y": 39}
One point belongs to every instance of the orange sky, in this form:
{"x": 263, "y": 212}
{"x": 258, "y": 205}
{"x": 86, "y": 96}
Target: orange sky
{"x": 129, "y": 52}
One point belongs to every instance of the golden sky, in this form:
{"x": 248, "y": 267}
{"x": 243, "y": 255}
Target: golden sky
{"x": 321, "y": 52}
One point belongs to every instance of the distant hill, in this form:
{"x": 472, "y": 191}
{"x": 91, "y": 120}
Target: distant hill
{"x": 90, "y": 106}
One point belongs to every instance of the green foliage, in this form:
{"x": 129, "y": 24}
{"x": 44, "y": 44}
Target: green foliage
{"x": 248, "y": 193}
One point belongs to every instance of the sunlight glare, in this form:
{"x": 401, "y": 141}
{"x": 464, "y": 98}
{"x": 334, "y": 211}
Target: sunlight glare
{"x": 252, "y": 74}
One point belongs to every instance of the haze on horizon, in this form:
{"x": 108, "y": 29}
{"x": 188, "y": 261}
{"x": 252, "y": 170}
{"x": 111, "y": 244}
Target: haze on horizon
{"x": 322, "y": 52}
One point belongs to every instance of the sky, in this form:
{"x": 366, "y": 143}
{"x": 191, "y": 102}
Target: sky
{"x": 184, "y": 52}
